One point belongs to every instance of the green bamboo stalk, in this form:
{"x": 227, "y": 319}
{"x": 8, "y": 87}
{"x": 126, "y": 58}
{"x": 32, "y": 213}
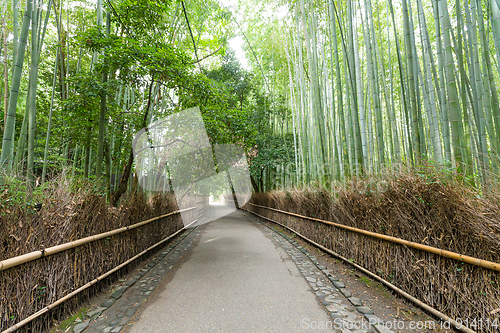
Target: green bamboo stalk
{"x": 107, "y": 166}
{"x": 49, "y": 124}
{"x": 351, "y": 148}
{"x": 75, "y": 160}
{"x": 407, "y": 143}
{"x": 453, "y": 102}
{"x": 392, "y": 108}
{"x": 416, "y": 70}
{"x": 496, "y": 116}
{"x": 42, "y": 38}
{"x": 299, "y": 94}
{"x": 369, "y": 128}
{"x": 86, "y": 164}
{"x": 427, "y": 106}
{"x": 495, "y": 25}
{"x": 356, "y": 130}
{"x": 477, "y": 87}
{"x": 14, "y": 92}
{"x": 89, "y": 160}
{"x": 411, "y": 78}
{"x": 491, "y": 89}
{"x": 21, "y": 142}
{"x": 315, "y": 87}
{"x": 372, "y": 54}
{"x": 5, "y": 71}
{"x": 102, "y": 115}
{"x": 32, "y": 101}
{"x": 344, "y": 158}
{"x": 469, "y": 53}
{"x": 458, "y": 45}
{"x": 432, "y": 118}
{"x": 15, "y": 32}
{"x": 360, "y": 95}
{"x": 487, "y": 93}
{"x": 293, "y": 107}
{"x": 302, "y": 87}
{"x": 441, "y": 84}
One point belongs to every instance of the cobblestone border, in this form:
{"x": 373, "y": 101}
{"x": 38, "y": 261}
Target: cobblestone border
{"x": 348, "y": 313}
{"x": 345, "y": 311}
{"x": 115, "y": 312}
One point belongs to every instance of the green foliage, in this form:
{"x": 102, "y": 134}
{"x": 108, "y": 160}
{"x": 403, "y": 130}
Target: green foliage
{"x": 149, "y": 45}
{"x": 271, "y": 151}
{"x": 224, "y": 96}
{"x": 141, "y": 16}
{"x": 15, "y": 196}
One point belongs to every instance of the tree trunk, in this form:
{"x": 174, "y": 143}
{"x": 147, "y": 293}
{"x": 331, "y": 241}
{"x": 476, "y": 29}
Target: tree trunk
{"x": 122, "y": 187}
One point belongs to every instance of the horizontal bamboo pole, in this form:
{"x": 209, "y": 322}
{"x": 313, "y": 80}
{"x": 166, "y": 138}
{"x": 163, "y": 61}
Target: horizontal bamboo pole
{"x": 416, "y": 301}
{"x": 91, "y": 283}
{"x": 15, "y": 261}
{"x": 448, "y": 254}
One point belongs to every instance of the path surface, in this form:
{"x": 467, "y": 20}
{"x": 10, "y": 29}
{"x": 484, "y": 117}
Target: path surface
{"x": 235, "y": 280}
{"x": 235, "y": 274}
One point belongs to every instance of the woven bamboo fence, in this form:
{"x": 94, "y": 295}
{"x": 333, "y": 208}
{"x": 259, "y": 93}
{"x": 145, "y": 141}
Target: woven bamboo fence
{"x": 31, "y": 286}
{"x": 433, "y": 215}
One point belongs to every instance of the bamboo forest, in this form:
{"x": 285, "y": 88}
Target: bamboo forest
{"x": 367, "y": 129}
{"x": 331, "y": 90}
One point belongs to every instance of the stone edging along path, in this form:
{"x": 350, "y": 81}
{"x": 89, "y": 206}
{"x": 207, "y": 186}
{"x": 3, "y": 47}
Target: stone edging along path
{"x": 116, "y": 311}
{"x": 348, "y": 313}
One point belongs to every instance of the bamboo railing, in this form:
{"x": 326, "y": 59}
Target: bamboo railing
{"x": 15, "y": 261}
{"x": 445, "y": 253}
{"x": 459, "y": 326}
{"x": 201, "y": 206}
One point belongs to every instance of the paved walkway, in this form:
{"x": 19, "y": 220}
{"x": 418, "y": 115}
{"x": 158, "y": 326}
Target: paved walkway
{"x": 233, "y": 274}
{"x": 236, "y": 280}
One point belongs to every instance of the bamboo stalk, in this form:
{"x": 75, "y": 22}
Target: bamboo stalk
{"x": 406, "y": 126}
{"x": 49, "y": 123}
{"x": 412, "y": 71}
{"x": 457, "y": 131}
{"x": 9, "y": 126}
{"x": 33, "y": 80}
{"x": 103, "y": 121}
{"x": 445, "y": 253}
{"x": 5, "y": 72}
{"x": 16, "y": 261}
{"x": 416, "y": 301}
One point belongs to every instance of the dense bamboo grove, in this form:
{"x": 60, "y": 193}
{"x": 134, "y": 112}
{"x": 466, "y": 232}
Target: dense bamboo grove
{"x": 82, "y": 77}
{"x": 335, "y": 89}
{"x": 371, "y": 85}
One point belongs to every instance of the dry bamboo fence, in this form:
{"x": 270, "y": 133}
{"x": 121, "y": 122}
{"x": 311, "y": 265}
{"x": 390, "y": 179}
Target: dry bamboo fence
{"x": 31, "y": 286}
{"x": 431, "y": 310}
{"x": 435, "y": 217}
{"x": 430, "y": 249}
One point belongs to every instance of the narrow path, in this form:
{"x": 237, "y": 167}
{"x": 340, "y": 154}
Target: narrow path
{"x": 236, "y": 280}
{"x": 235, "y": 274}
